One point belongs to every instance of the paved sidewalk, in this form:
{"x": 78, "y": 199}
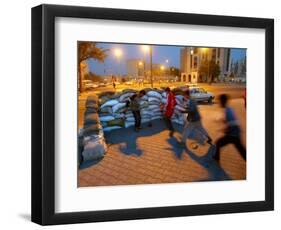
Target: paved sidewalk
{"x": 151, "y": 156}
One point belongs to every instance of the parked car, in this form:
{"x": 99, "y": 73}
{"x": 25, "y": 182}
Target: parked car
{"x": 88, "y": 84}
{"x": 129, "y": 83}
{"x": 200, "y": 94}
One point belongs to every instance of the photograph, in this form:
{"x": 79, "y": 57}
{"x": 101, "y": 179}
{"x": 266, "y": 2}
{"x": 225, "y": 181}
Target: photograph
{"x": 154, "y": 113}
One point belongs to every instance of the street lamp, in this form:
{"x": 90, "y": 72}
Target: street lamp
{"x": 146, "y": 49}
{"x": 118, "y": 54}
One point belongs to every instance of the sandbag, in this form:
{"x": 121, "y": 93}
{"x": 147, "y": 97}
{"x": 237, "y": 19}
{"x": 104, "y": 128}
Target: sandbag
{"x": 94, "y": 148}
{"x": 110, "y": 103}
{"x": 154, "y": 94}
{"x": 144, "y": 98}
{"x": 92, "y": 98}
{"x": 94, "y": 129}
{"x": 108, "y": 129}
{"x": 118, "y": 106}
{"x": 151, "y": 107}
{"x": 154, "y": 99}
{"x": 124, "y": 97}
{"x": 180, "y": 108}
{"x": 129, "y": 124}
{"x": 106, "y": 118}
{"x": 116, "y": 122}
{"x": 91, "y": 118}
{"x": 146, "y": 112}
{"x": 130, "y": 119}
{"x": 156, "y": 117}
{"x": 106, "y": 109}
{"x": 144, "y": 104}
{"x": 91, "y": 110}
{"x": 145, "y": 120}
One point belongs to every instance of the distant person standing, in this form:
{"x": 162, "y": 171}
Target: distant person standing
{"x": 113, "y": 82}
{"x": 169, "y": 110}
{"x": 232, "y": 130}
{"x": 134, "y": 105}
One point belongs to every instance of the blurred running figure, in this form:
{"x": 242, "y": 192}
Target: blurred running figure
{"x": 232, "y": 130}
{"x": 193, "y": 128}
{"x": 170, "y": 105}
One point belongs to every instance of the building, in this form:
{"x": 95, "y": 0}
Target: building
{"x": 192, "y": 57}
{"x": 135, "y": 68}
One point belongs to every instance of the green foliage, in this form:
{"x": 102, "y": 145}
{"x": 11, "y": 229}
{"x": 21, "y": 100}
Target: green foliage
{"x": 174, "y": 71}
{"x": 88, "y": 50}
{"x": 210, "y": 68}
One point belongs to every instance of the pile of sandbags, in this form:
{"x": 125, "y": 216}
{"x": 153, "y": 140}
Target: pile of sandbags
{"x": 91, "y": 143}
{"x": 180, "y": 114}
{"x": 114, "y": 114}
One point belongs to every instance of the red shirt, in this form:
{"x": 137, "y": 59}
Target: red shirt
{"x": 171, "y": 102}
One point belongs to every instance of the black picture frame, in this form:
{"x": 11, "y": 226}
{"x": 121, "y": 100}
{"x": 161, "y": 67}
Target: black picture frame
{"x": 43, "y": 114}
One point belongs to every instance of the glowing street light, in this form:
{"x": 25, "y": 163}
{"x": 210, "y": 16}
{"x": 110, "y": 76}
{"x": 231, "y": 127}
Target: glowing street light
{"x": 118, "y": 54}
{"x": 162, "y": 67}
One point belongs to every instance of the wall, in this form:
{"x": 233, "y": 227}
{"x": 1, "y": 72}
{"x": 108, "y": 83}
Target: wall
{"x": 15, "y": 113}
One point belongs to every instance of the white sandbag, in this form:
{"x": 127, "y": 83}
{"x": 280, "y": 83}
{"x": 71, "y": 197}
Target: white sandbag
{"x": 143, "y": 104}
{"x": 146, "y": 113}
{"x": 144, "y": 98}
{"x": 145, "y": 120}
{"x": 156, "y": 110}
{"x": 152, "y": 107}
{"x": 130, "y": 119}
{"x": 118, "y": 106}
{"x": 108, "y": 129}
{"x": 164, "y": 100}
{"x": 156, "y": 117}
{"x": 129, "y": 124}
{"x": 106, "y": 109}
{"x": 125, "y": 96}
{"x": 155, "y": 99}
{"x": 154, "y": 94}
{"x": 106, "y": 118}
{"x": 110, "y": 103}
{"x": 180, "y": 108}
{"x": 119, "y": 115}
{"x": 94, "y": 149}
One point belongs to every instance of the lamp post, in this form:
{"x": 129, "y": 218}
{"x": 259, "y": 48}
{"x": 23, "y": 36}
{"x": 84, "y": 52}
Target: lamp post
{"x": 140, "y": 64}
{"x": 147, "y": 48}
{"x": 118, "y": 54}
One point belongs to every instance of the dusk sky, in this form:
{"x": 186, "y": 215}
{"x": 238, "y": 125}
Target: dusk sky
{"x": 131, "y": 51}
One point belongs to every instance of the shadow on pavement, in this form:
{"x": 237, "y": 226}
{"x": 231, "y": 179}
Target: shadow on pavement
{"x": 87, "y": 164}
{"x": 214, "y": 170}
{"x": 127, "y": 137}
